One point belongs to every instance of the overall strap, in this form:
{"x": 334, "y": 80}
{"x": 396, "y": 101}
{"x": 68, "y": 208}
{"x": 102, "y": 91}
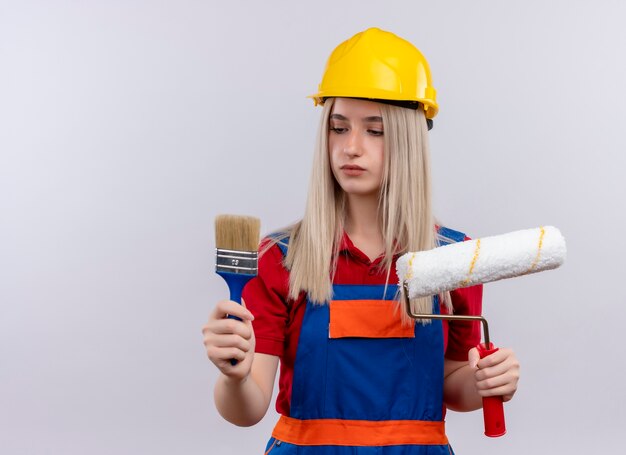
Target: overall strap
{"x": 283, "y": 243}
{"x": 446, "y": 236}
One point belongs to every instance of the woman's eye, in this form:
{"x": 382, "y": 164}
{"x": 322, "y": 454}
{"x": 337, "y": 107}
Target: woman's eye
{"x": 375, "y": 132}
{"x": 338, "y": 130}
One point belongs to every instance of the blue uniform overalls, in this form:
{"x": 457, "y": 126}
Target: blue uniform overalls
{"x": 364, "y": 390}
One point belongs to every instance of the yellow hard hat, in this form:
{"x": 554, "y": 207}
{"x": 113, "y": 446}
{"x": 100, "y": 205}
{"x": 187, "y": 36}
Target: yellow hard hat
{"x": 378, "y": 65}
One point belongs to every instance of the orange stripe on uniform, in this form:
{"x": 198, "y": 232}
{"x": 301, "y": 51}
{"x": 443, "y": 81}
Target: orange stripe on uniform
{"x": 338, "y": 432}
{"x": 271, "y": 447}
{"x": 368, "y": 319}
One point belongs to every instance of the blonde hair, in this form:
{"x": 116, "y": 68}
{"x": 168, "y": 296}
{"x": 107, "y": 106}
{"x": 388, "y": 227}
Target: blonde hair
{"x": 405, "y": 209}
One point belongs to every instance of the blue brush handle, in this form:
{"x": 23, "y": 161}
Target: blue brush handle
{"x": 235, "y": 282}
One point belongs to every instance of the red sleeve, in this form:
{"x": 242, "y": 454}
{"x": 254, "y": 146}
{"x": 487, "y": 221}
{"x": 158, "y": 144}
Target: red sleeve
{"x": 266, "y": 297}
{"x": 464, "y": 335}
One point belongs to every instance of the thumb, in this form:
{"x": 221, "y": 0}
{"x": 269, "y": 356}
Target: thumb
{"x": 473, "y": 357}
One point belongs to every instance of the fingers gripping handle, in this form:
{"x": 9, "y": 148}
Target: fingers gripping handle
{"x": 493, "y": 410}
{"x": 236, "y": 283}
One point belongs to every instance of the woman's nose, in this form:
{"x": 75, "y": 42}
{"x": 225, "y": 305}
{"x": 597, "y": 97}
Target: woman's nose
{"x": 353, "y": 145}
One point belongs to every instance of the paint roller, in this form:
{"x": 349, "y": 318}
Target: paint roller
{"x": 477, "y": 261}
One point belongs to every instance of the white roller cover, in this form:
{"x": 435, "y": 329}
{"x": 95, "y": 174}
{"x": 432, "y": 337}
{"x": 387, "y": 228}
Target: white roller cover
{"x": 463, "y": 264}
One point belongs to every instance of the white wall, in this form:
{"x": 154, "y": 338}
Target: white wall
{"x": 126, "y": 126}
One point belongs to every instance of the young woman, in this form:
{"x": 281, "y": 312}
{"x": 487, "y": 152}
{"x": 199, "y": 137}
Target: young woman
{"x": 356, "y": 372}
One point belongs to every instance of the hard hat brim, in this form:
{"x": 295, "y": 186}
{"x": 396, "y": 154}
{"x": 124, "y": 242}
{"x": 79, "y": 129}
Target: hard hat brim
{"x": 430, "y": 109}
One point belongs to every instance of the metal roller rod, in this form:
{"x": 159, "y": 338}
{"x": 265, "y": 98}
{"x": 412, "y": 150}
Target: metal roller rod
{"x": 447, "y": 317}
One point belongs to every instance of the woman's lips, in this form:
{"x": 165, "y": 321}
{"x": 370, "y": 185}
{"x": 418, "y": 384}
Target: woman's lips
{"x": 352, "y": 169}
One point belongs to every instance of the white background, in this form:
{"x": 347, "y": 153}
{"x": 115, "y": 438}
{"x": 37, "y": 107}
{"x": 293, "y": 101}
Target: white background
{"x": 126, "y": 126}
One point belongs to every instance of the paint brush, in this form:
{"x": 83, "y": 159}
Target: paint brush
{"x": 236, "y": 241}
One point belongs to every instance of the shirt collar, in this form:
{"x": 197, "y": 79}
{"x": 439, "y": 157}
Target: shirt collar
{"x": 346, "y": 246}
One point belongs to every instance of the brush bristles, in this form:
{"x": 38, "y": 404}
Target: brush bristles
{"x": 239, "y": 233}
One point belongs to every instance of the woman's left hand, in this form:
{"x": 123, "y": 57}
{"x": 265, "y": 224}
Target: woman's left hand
{"x": 497, "y": 374}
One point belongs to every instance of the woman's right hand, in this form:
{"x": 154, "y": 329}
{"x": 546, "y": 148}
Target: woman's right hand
{"x": 227, "y": 339}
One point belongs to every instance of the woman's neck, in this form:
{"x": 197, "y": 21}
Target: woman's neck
{"x": 362, "y": 225}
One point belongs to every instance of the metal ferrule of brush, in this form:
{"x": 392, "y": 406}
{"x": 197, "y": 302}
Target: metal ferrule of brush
{"x": 244, "y": 262}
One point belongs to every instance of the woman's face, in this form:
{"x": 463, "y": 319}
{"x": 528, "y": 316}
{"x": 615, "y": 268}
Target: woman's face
{"x": 355, "y": 145}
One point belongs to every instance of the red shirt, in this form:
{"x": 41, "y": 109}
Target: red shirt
{"x": 278, "y": 319}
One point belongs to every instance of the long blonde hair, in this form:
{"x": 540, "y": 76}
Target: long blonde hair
{"x": 405, "y": 208}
